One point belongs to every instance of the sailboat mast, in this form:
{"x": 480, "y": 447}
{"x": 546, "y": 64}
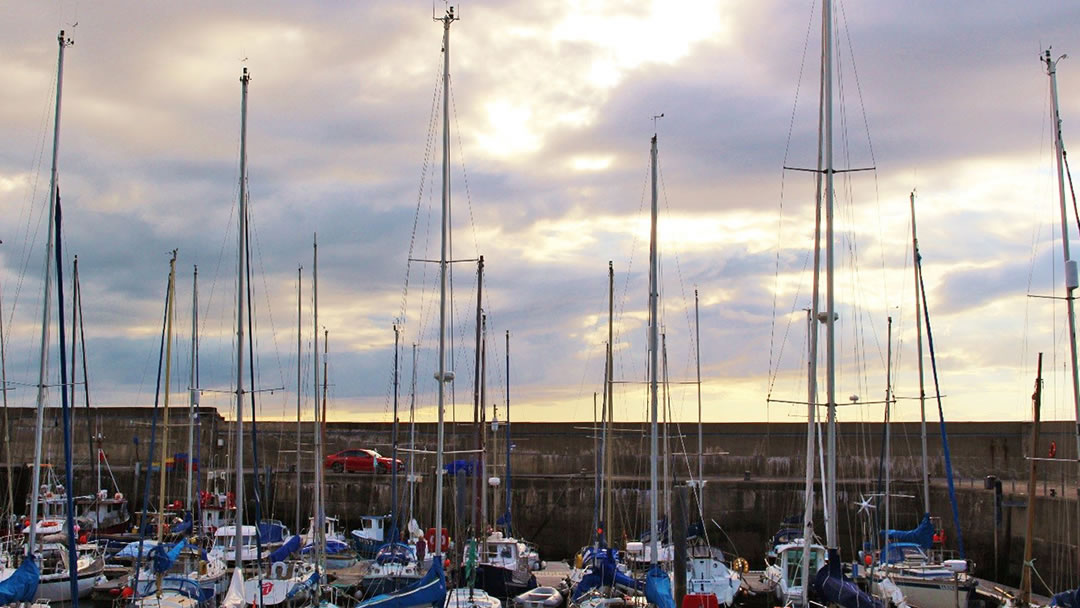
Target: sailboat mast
{"x": 665, "y": 405}
{"x": 7, "y": 426}
{"x": 393, "y": 448}
{"x": 1036, "y": 404}
{"x": 697, "y": 361}
{"x": 1071, "y": 279}
{"x": 43, "y": 362}
{"x": 479, "y": 510}
{"x": 170, "y": 304}
{"x": 481, "y": 530}
{"x": 193, "y": 392}
{"x": 412, "y": 434}
{"x": 830, "y": 305}
{"x": 609, "y": 428}
{"x": 509, "y": 518}
{"x": 317, "y": 516}
{"x": 444, "y": 375}
{"x": 299, "y": 380}
{"x": 888, "y": 433}
{"x": 240, "y": 307}
{"x": 922, "y": 379}
{"x": 320, "y": 534}
{"x": 654, "y": 356}
{"x": 812, "y": 437}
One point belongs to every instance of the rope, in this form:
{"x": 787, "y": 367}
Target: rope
{"x": 1031, "y": 565}
{"x": 774, "y": 372}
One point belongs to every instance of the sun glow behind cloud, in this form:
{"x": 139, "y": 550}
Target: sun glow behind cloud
{"x": 548, "y": 99}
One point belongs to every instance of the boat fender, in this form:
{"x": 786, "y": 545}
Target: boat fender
{"x": 429, "y": 537}
{"x": 956, "y": 565}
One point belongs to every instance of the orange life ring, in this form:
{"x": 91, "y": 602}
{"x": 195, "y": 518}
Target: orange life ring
{"x": 1053, "y": 449}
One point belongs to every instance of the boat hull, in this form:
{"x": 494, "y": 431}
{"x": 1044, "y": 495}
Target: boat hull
{"x": 57, "y": 587}
{"x": 932, "y": 592}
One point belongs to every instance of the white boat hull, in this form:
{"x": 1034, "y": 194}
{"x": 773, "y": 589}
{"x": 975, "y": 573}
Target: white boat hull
{"x": 57, "y": 587}
{"x": 931, "y": 593}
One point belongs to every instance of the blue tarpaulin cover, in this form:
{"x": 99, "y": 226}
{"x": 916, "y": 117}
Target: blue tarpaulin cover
{"x": 285, "y": 550}
{"x": 428, "y": 591}
{"x": 1066, "y": 599}
{"x": 183, "y": 527}
{"x": 333, "y": 547}
{"x": 603, "y": 572}
{"x": 831, "y": 585}
{"x": 22, "y": 585}
{"x": 304, "y": 586}
{"x": 658, "y": 588}
{"x": 164, "y": 557}
{"x": 922, "y": 535}
{"x": 271, "y": 532}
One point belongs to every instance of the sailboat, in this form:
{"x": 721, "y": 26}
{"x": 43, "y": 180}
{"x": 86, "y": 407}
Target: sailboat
{"x": 1070, "y": 597}
{"x": 50, "y": 572}
{"x": 431, "y": 589}
{"x": 102, "y": 512}
{"x": 234, "y": 596}
{"x": 605, "y": 573}
{"x": 176, "y": 578}
{"x": 322, "y": 542}
{"x": 396, "y": 564}
{"x": 907, "y": 569}
{"x": 504, "y": 567}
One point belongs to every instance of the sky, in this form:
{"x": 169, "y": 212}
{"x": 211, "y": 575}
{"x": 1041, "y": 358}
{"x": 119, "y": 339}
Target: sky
{"x": 552, "y": 109}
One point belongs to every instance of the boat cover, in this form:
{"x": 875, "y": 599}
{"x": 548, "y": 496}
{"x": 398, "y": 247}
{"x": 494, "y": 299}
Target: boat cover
{"x": 831, "y": 585}
{"x": 395, "y": 553}
{"x": 658, "y": 588}
{"x": 333, "y": 547}
{"x": 603, "y": 572}
{"x": 285, "y": 550}
{"x": 922, "y": 535}
{"x": 1066, "y": 599}
{"x": 271, "y": 532}
{"x": 22, "y": 585}
{"x": 304, "y": 586}
{"x": 234, "y": 597}
{"x": 163, "y": 557}
{"x": 428, "y": 591}
{"x": 132, "y": 549}
{"x": 183, "y": 527}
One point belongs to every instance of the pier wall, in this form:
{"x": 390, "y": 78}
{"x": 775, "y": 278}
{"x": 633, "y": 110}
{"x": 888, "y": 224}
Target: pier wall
{"x": 753, "y": 471}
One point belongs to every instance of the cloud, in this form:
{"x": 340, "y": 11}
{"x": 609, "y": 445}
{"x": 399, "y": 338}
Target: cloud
{"x": 551, "y": 115}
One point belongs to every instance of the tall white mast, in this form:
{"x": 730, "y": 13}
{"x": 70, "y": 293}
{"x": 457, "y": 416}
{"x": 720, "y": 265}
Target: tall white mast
{"x": 922, "y": 379}
{"x": 193, "y": 391}
{"x": 412, "y": 434}
{"x": 812, "y": 340}
{"x": 654, "y": 353}
{"x": 832, "y": 538}
{"x": 700, "y": 440}
{"x": 170, "y": 307}
{"x": 320, "y": 412}
{"x": 43, "y": 363}
{"x": 299, "y": 380}
{"x": 666, "y": 406}
{"x": 443, "y": 376}
{"x": 240, "y": 306}
{"x": 1071, "y": 279}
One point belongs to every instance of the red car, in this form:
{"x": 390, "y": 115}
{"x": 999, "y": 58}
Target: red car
{"x": 360, "y": 461}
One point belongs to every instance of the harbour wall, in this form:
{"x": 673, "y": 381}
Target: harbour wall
{"x": 753, "y": 471}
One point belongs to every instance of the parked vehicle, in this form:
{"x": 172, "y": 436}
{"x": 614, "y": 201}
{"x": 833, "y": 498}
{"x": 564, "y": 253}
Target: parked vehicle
{"x": 360, "y": 461}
